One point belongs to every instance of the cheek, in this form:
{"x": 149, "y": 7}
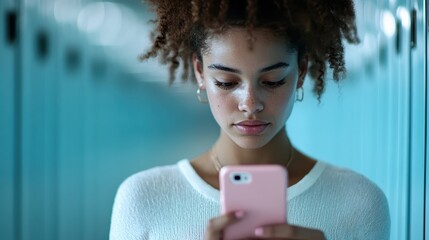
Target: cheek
{"x": 221, "y": 105}
{"x": 285, "y": 96}
{"x": 281, "y": 104}
{"x": 289, "y": 102}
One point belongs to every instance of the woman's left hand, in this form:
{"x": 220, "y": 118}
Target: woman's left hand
{"x": 287, "y": 231}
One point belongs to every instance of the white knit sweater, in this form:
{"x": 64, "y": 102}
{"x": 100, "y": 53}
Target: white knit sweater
{"x": 173, "y": 202}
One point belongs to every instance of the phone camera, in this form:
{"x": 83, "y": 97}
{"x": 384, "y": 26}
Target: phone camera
{"x": 240, "y": 178}
{"x": 237, "y": 177}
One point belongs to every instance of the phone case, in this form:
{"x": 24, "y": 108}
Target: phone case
{"x": 260, "y": 192}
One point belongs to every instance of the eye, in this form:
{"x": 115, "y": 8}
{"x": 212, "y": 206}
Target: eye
{"x": 225, "y": 85}
{"x": 275, "y": 84}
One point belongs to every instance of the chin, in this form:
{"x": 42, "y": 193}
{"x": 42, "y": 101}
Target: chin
{"x": 250, "y": 142}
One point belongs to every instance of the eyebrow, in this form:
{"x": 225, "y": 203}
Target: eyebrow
{"x": 233, "y": 70}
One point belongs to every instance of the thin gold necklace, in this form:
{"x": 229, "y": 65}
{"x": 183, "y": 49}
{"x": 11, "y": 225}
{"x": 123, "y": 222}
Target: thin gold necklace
{"x": 218, "y": 165}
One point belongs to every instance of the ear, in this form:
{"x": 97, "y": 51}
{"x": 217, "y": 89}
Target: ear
{"x": 303, "y": 68}
{"x": 198, "y": 70}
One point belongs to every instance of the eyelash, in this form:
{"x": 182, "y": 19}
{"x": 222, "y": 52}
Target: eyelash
{"x": 275, "y": 84}
{"x": 230, "y": 85}
{"x": 225, "y": 85}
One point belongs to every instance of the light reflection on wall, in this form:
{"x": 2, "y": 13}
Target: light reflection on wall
{"x": 102, "y": 22}
{"x": 388, "y": 24}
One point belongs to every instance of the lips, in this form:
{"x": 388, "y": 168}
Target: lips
{"x": 251, "y": 127}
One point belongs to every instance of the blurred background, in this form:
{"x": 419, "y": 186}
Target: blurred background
{"x": 79, "y": 113}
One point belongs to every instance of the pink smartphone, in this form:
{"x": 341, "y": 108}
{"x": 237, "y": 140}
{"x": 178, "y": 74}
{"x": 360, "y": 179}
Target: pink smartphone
{"x": 258, "y": 190}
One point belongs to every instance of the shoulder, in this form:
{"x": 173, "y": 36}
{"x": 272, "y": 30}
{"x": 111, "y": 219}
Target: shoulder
{"x": 148, "y": 180}
{"x": 341, "y": 185}
{"x": 136, "y": 201}
{"x": 342, "y": 180}
{"x": 360, "y": 199}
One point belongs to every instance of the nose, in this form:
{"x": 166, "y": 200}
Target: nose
{"x": 250, "y": 102}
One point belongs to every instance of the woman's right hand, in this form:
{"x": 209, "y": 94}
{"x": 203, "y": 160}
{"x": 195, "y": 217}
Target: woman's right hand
{"x": 215, "y": 226}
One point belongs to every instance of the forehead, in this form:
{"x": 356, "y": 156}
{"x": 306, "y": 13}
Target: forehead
{"x": 232, "y": 46}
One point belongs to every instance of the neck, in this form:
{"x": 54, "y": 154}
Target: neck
{"x": 277, "y": 151}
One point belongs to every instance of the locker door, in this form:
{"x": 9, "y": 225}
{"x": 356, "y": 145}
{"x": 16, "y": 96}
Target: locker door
{"x": 38, "y": 126}
{"x": 418, "y": 82}
{"x": 398, "y": 120}
{"x": 71, "y": 116}
{"x": 9, "y": 118}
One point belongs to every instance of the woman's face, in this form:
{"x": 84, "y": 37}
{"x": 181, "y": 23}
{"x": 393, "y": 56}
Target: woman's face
{"x": 251, "y": 92}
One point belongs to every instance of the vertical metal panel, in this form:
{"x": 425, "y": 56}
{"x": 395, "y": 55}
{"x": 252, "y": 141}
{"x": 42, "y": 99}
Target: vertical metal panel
{"x": 39, "y": 173}
{"x": 8, "y": 89}
{"x": 418, "y": 124}
{"x": 98, "y": 73}
{"x": 38, "y": 140}
{"x": 70, "y": 125}
{"x": 400, "y": 103}
{"x": 50, "y": 124}
{"x": 32, "y": 132}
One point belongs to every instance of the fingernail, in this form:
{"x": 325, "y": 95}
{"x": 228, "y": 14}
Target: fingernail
{"x": 239, "y": 214}
{"x": 259, "y": 231}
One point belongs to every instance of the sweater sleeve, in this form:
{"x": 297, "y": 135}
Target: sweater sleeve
{"x": 374, "y": 220}
{"x": 127, "y": 220}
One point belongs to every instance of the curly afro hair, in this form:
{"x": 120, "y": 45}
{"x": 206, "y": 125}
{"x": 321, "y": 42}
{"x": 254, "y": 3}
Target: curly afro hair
{"x": 315, "y": 28}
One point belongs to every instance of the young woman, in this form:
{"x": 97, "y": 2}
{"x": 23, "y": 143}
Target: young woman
{"x": 250, "y": 59}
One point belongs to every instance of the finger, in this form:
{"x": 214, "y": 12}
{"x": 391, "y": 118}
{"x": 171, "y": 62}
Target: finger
{"x": 218, "y": 224}
{"x": 289, "y": 231}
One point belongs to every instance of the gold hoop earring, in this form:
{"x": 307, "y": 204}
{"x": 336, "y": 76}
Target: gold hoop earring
{"x": 200, "y": 97}
{"x": 299, "y": 94}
